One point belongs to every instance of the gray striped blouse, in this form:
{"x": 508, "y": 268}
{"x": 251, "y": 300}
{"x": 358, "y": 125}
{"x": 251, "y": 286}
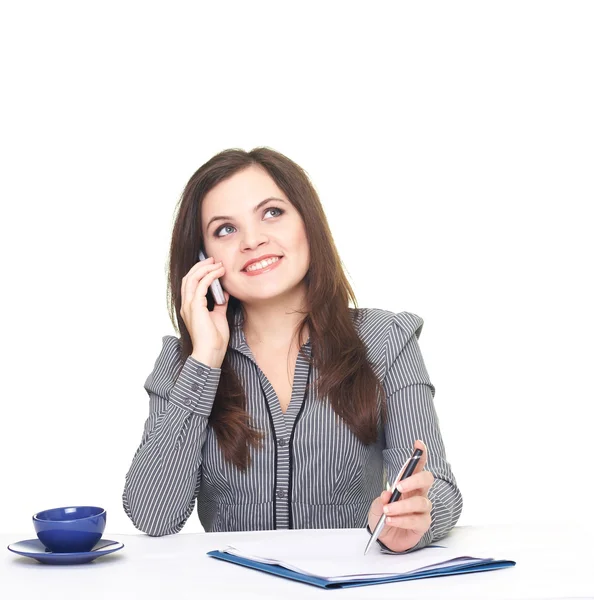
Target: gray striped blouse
{"x": 311, "y": 471}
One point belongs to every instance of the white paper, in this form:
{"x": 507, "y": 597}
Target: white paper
{"x": 338, "y": 555}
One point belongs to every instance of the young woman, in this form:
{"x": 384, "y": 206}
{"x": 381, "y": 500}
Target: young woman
{"x": 283, "y": 407}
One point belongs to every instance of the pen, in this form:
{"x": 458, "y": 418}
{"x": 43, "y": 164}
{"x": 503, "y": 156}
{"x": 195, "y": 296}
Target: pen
{"x": 410, "y": 468}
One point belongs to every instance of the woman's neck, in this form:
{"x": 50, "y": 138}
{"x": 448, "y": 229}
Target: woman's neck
{"x": 272, "y": 328}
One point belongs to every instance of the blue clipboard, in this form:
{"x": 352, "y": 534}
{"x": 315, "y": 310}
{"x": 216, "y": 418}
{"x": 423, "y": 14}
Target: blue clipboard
{"x": 479, "y": 565}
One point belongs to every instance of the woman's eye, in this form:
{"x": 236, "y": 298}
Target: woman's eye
{"x": 280, "y": 212}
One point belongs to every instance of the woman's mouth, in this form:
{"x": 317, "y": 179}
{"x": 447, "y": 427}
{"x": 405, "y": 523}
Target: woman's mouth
{"x": 264, "y": 267}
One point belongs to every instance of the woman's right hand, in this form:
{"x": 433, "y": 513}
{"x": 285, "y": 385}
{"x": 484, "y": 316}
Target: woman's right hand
{"x": 209, "y": 330}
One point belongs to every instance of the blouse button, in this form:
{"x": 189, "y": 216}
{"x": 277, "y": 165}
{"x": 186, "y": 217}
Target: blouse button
{"x": 195, "y": 387}
{"x": 187, "y": 401}
{"x": 282, "y": 441}
{"x": 280, "y": 493}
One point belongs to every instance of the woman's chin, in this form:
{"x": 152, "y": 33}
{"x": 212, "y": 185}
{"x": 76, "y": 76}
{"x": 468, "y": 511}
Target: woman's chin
{"x": 262, "y": 295}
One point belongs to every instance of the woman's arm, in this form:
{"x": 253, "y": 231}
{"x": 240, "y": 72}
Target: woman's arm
{"x": 164, "y": 479}
{"x": 411, "y": 415}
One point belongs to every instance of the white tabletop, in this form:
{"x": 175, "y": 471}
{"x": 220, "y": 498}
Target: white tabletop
{"x": 553, "y": 561}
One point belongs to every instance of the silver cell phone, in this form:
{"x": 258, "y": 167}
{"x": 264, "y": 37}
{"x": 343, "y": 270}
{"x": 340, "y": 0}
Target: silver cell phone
{"x": 215, "y": 287}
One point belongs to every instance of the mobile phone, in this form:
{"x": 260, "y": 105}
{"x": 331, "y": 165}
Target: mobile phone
{"x": 215, "y": 287}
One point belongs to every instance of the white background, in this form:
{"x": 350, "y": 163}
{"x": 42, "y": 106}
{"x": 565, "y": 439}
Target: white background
{"x": 452, "y": 147}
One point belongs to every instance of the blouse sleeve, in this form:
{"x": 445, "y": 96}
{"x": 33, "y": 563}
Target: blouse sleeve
{"x": 411, "y": 415}
{"x": 163, "y": 480}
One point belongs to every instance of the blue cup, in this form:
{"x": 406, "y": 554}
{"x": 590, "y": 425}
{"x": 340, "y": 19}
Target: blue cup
{"x": 70, "y": 528}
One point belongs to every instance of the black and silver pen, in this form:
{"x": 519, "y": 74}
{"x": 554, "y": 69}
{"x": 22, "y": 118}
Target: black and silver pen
{"x": 410, "y": 468}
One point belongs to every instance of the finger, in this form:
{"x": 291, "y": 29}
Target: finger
{"x": 419, "y": 444}
{"x": 385, "y": 496}
{"x": 376, "y": 508}
{"x": 419, "y": 482}
{"x": 199, "y": 275}
{"x": 416, "y": 504}
{"x": 416, "y": 522}
{"x": 420, "y": 463}
{"x": 201, "y": 285}
{"x": 190, "y": 274}
{"x": 419, "y": 466}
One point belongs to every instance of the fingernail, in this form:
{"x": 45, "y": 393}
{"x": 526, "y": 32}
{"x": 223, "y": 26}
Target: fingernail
{"x": 400, "y": 488}
{"x": 386, "y": 509}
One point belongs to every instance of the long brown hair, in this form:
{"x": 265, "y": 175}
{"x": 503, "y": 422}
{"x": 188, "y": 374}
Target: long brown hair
{"x": 345, "y": 374}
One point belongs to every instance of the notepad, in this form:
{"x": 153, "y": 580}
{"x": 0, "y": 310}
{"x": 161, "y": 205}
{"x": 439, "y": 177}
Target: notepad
{"x": 333, "y": 558}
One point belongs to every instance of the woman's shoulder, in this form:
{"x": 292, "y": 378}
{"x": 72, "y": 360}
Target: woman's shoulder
{"x": 378, "y": 320}
{"x": 382, "y": 329}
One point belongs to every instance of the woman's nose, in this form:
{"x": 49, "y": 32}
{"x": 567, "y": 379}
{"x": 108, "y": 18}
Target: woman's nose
{"x": 253, "y": 241}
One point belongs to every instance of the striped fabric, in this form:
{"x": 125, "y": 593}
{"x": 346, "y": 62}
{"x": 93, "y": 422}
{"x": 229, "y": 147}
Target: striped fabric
{"x": 311, "y": 471}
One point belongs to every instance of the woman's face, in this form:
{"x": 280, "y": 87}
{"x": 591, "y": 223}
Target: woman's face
{"x": 245, "y": 233}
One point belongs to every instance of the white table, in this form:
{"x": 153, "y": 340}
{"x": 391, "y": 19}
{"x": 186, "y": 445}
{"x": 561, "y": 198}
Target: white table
{"x": 553, "y": 561}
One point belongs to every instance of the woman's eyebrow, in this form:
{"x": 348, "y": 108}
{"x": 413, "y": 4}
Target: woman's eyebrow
{"x": 259, "y": 205}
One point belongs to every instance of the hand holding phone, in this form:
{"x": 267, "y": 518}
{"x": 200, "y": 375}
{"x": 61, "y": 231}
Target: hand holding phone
{"x": 208, "y": 329}
{"x": 215, "y": 286}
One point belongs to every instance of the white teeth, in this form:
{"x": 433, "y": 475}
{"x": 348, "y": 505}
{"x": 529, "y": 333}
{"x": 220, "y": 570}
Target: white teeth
{"x": 262, "y": 264}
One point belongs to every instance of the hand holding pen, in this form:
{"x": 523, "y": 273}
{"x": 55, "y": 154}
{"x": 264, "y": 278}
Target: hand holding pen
{"x": 409, "y": 517}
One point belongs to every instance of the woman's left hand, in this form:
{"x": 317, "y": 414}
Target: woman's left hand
{"x": 410, "y": 516}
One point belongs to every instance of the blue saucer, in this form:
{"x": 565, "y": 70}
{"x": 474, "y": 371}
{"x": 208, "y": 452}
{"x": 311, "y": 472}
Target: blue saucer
{"x": 35, "y": 549}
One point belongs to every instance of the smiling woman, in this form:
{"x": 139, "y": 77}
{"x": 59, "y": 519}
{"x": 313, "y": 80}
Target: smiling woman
{"x": 283, "y": 407}
{"x": 261, "y": 224}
